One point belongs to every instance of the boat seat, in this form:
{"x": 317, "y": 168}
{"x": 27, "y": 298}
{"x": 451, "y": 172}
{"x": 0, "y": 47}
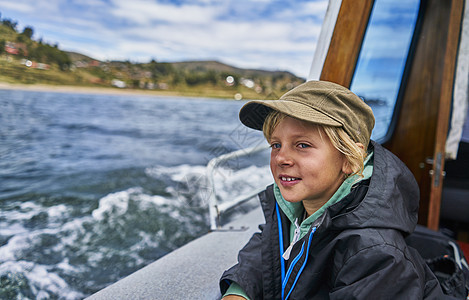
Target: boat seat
{"x": 455, "y": 205}
{"x": 455, "y": 194}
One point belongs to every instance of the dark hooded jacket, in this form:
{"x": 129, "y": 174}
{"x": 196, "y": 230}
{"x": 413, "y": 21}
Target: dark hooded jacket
{"x": 354, "y": 250}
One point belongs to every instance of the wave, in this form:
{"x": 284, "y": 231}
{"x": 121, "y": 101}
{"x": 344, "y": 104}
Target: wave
{"x": 56, "y": 252}
{"x": 192, "y": 185}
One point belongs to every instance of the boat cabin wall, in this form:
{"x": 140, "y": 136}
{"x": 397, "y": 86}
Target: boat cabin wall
{"x": 419, "y": 125}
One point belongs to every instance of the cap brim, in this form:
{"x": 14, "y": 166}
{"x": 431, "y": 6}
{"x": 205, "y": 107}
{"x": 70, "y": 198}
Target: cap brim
{"x": 253, "y": 113}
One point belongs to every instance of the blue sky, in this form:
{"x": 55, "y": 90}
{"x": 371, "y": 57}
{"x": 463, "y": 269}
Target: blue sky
{"x": 265, "y": 34}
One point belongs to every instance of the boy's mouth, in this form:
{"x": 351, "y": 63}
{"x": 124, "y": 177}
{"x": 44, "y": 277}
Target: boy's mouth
{"x": 285, "y": 178}
{"x": 288, "y": 180}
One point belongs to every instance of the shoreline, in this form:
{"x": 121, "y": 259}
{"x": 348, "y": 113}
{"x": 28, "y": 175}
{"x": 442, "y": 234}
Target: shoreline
{"x": 95, "y": 90}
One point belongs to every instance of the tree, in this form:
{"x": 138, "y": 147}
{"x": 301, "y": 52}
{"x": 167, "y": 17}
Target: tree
{"x": 28, "y": 31}
{"x": 192, "y": 78}
{"x": 177, "y": 77}
{"x": 2, "y": 46}
{"x": 211, "y": 76}
{"x": 9, "y": 23}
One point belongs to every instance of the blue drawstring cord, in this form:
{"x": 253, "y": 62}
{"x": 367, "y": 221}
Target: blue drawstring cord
{"x": 282, "y": 261}
{"x": 306, "y": 259}
{"x": 280, "y": 237}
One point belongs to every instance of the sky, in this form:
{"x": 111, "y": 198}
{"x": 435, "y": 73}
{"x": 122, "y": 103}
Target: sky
{"x": 261, "y": 34}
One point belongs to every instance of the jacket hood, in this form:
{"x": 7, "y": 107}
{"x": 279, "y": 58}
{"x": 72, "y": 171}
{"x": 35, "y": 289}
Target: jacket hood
{"x": 391, "y": 200}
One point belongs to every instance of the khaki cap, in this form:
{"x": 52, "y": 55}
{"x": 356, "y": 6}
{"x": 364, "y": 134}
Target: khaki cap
{"x": 319, "y": 102}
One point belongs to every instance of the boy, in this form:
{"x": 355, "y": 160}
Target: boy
{"x": 338, "y": 211}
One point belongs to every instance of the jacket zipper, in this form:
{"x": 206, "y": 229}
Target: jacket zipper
{"x": 296, "y": 237}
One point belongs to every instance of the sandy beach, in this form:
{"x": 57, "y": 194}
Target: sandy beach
{"x": 87, "y": 90}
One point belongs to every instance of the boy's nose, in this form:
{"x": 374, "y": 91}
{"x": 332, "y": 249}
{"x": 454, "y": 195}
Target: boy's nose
{"x": 283, "y": 158}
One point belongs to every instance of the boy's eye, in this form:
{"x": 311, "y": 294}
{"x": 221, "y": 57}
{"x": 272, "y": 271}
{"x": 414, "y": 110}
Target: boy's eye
{"x": 303, "y": 145}
{"x": 275, "y": 145}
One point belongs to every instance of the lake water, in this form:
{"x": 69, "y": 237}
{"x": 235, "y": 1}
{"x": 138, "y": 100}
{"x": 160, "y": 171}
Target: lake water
{"x": 94, "y": 187}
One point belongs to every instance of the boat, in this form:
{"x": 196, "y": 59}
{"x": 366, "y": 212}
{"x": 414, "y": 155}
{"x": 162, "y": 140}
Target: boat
{"x": 422, "y": 90}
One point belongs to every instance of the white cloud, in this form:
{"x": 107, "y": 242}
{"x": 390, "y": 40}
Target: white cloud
{"x": 16, "y": 6}
{"x": 311, "y": 9}
{"x": 148, "y": 12}
{"x": 252, "y": 34}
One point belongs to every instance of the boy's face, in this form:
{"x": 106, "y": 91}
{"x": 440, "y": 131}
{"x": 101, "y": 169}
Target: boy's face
{"x": 304, "y": 163}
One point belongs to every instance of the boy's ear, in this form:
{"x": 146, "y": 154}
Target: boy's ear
{"x": 346, "y": 168}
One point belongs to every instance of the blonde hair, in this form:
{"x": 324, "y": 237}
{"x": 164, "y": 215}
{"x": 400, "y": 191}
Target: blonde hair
{"x": 354, "y": 154}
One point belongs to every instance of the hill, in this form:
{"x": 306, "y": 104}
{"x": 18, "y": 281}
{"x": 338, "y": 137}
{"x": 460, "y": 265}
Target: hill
{"x": 27, "y": 61}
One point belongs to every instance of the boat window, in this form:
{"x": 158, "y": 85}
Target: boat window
{"x": 382, "y": 59}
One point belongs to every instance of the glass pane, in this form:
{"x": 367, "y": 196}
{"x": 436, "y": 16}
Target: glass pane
{"x": 382, "y": 58}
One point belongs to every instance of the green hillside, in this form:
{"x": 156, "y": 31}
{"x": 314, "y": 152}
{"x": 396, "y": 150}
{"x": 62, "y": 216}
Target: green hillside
{"x": 27, "y": 61}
